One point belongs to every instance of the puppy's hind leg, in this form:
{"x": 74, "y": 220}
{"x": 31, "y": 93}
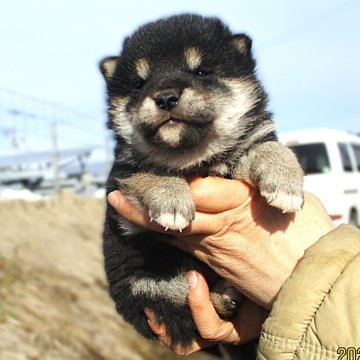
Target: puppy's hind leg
{"x": 145, "y": 273}
{"x": 225, "y": 298}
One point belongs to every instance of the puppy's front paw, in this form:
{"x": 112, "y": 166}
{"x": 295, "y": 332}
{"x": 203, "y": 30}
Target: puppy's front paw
{"x": 173, "y": 221}
{"x": 175, "y": 213}
{"x": 279, "y": 176}
{"x": 283, "y": 189}
{"x": 287, "y": 202}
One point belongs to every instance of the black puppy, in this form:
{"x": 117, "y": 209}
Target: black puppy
{"x": 183, "y": 100}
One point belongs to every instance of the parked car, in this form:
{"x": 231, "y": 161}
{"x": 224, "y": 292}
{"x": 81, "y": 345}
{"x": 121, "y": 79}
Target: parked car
{"x": 331, "y": 163}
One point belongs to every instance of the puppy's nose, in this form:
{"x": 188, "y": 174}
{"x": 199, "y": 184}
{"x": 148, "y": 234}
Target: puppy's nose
{"x": 167, "y": 100}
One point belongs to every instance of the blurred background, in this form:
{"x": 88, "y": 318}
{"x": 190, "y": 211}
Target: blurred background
{"x": 54, "y": 144}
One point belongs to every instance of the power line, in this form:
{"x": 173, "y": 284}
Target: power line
{"x": 26, "y": 124}
{"x": 27, "y": 98}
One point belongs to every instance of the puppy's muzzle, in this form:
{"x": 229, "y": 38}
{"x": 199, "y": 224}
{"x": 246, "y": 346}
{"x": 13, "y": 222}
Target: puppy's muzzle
{"x": 167, "y": 100}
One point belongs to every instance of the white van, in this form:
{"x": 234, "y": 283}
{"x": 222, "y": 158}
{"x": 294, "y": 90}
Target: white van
{"x": 331, "y": 162}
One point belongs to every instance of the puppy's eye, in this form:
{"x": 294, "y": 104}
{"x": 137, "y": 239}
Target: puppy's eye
{"x": 202, "y": 72}
{"x": 140, "y": 83}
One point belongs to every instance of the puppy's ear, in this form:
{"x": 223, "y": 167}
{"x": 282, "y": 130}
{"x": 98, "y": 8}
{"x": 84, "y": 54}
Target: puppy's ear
{"x": 108, "y": 66}
{"x": 242, "y": 43}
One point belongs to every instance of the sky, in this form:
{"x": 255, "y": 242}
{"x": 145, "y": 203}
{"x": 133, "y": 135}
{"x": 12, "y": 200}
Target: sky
{"x": 307, "y": 51}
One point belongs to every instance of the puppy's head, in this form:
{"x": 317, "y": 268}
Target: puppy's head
{"x": 182, "y": 89}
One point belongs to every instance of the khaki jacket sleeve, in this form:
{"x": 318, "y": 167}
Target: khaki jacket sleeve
{"x": 317, "y": 312}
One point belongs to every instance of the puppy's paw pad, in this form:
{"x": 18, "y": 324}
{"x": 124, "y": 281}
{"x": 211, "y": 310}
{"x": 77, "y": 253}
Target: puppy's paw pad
{"x": 172, "y": 221}
{"x": 288, "y": 203}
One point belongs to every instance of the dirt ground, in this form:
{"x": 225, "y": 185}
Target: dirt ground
{"x": 54, "y": 303}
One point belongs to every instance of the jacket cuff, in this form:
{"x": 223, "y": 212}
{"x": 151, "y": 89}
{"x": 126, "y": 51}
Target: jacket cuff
{"x": 295, "y": 311}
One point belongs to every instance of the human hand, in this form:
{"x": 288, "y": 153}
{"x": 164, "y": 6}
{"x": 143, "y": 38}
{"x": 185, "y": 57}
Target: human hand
{"x": 249, "y": 243}
{"x": 244, "y": 327}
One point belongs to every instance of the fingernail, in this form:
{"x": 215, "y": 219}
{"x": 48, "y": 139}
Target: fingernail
{"x": 192, "y": 279}
{"x": 113, "y": 199}
{"x": 150, "y": 316}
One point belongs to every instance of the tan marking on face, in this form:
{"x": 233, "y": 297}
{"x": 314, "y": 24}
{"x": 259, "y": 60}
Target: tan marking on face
{"x": 193, "y": 58}
{"x": 193, "y": 98}
{"x": 120, "y": 117}
{"x": 142, "y": 68}
{"x": 171, "y": 133}
{"x": 148, "y": 113}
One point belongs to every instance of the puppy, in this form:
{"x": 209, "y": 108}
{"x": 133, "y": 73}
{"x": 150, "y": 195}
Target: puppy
{"x": 183, "y": 100}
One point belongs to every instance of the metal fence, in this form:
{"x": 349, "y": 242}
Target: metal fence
{"x": 36, "y": 134}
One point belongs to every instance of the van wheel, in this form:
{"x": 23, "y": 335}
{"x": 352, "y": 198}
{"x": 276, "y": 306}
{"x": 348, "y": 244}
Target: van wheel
{"x": 353, "y": 218}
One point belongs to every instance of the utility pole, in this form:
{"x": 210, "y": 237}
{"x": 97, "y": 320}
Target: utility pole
{"x": 55, "y": 150}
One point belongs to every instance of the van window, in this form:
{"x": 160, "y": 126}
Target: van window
{"x": 345, "y": 157}
{"x": 313, "y": 158}
{"x": 356, "y": 149}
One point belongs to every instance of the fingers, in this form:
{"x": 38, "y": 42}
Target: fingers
{"x": 213, "y": 197}
{"x": 213, "y": 194}
{"x": 211, "y": 328}
{"x": 121, "y": 204}
{"x": 244, "y": 327}
{"x": 206, "y": 319}
{"x": 204, "y": 223}
{"x": 130, "y": 212}
{"x": 159, "y": 329}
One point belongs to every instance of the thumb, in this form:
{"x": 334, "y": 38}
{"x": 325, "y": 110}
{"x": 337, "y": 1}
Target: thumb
{"x": 244, "y": 327}
{"x": 206, "y": 319}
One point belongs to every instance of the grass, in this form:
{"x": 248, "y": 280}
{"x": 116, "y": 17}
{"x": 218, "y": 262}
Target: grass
{"x": 10, "y": 274}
